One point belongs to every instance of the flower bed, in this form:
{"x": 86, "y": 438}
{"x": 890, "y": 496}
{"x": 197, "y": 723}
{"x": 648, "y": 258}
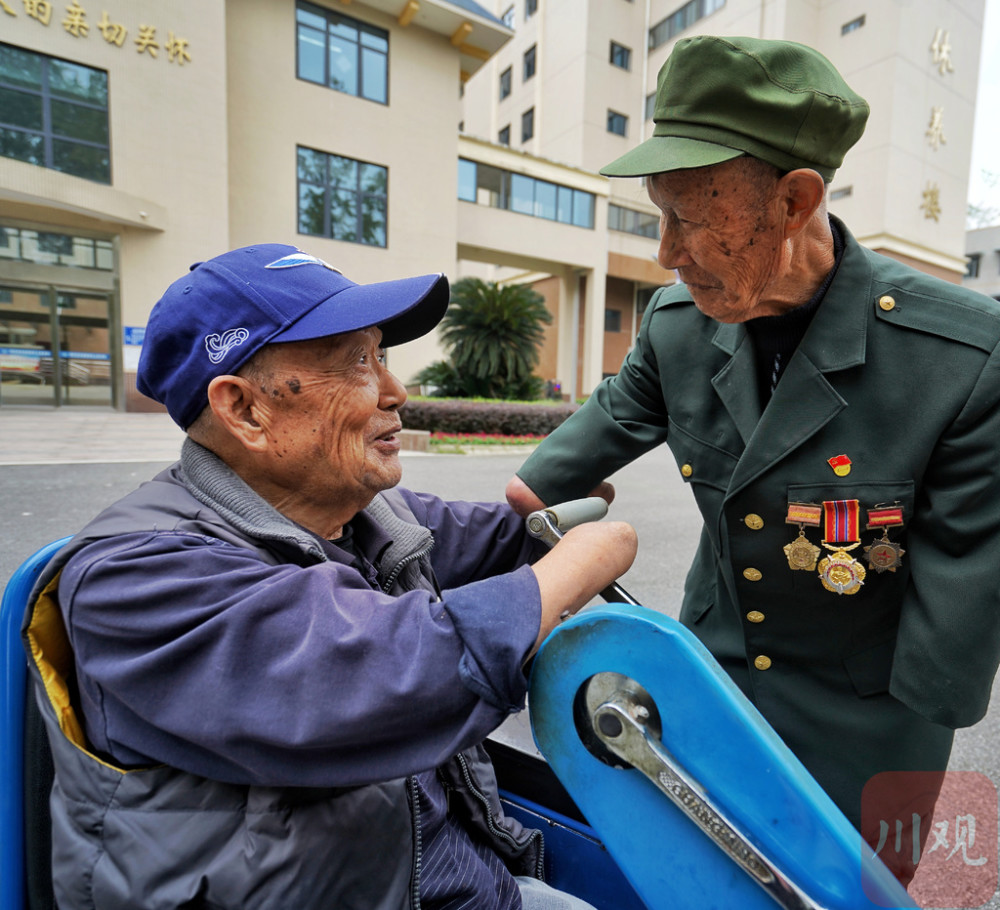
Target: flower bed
{"x": 483, "y": 439}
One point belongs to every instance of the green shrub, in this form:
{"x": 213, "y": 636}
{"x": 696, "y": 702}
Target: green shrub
{"x": 446, "y": 415}
{"x": 492, "y": 334}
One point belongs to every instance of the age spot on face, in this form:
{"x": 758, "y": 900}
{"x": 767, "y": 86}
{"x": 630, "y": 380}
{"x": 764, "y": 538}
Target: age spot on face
{"x": 294, "y": 386}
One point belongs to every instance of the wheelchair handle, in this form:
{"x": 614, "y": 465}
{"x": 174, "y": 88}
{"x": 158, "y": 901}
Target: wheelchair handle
{"x": 549, "y": 524}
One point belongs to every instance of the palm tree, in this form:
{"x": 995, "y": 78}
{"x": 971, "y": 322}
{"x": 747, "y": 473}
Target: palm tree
{"x": 492, "y": 334}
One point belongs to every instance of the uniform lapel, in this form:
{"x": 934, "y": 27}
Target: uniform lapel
{"x": 806, "y": 398}
{"x": 736, "y": 382}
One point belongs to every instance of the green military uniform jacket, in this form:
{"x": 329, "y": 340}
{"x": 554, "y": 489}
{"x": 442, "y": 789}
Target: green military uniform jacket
{"x": 901, "y": 373}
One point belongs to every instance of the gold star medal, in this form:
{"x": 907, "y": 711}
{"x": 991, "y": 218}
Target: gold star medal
{"x": 801, "y": 553}
{"x": 884, "y": 555}
{"x": 840, "y": 572}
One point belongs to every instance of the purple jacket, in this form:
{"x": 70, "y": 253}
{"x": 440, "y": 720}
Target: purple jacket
{"x": 273, "y": 694}
{"x": 192, "y": 641}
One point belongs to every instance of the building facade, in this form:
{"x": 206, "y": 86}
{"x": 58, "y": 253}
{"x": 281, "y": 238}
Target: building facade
{"x": 137, "y": 138}
{"x": 983, "y": 251}
{"x": 577, "y": 82}
{"x": 398, "y": 137}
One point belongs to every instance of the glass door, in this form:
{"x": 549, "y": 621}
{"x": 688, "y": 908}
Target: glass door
{"x": 54, "y": 347}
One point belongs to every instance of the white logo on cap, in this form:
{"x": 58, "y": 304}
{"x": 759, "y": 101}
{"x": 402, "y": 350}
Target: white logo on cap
{"x": 300, "y": 258}
{"x": 220, "y": 345}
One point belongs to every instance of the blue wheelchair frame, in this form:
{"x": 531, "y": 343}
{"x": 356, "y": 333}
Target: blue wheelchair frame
{"x": 13, "y": 678}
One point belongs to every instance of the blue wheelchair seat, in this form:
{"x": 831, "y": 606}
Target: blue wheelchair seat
{"x": 14, "y": 710}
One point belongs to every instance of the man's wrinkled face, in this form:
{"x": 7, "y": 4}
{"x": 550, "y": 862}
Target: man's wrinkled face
{"x": 329, "y": 409}
{"x": 721, "y": 230}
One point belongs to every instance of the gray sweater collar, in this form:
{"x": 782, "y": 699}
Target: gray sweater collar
{"x": 215, "y": 485}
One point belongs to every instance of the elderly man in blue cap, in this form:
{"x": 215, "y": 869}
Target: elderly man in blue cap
{"x": 836, "y": 415}
{"x": 266, "y": 674}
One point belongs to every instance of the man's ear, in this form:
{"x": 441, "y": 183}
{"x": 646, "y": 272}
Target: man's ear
{"x": 803, "y": 192}
{"x": 234, "y": 406}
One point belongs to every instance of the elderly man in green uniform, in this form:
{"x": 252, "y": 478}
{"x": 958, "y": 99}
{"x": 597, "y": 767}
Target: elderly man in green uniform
{"x": 837, "y": 416}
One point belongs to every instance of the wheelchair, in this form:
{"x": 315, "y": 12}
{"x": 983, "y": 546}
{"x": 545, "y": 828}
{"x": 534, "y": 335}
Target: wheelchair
{"x": 656, "y": 783}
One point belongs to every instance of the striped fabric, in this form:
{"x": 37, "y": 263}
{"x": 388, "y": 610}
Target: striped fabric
{"x": 455, "y": 872}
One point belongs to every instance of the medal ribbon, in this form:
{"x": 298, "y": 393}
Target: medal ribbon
{"x": 841, "y": 521}
{"x": 804, "y": 513}
{"x": 884, "y": 517}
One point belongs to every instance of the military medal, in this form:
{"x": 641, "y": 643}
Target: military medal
{"x": 801, "y": 553}
{"x": 884, "y": 555}
{"x": 840, "y": 572}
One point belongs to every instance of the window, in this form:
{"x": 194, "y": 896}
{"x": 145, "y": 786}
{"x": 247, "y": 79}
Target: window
{"x": 503, "y": 137}
{"x": 852, "y": 26}
{"x": 621, "y": 56}
{"x": 342, "y": 198}
{"x": 612, "y": 320}
{"x": 49, "y": 248}
{"x": 974, "y": 261}
{"x": 650, "y": 105}
{"x": 633, "y": 222}
{"x": 529, "y": 62}
{"x": 681, "y": 19}
{"x": 530, "y": 8}
{"x": 617, "y": 123}
{"x": 527, "y": 124}
{"x": 505, "y": 83}
{"x": 500, "y": 189}
{"x": 342, "y": 53}
{"x": 54, "y": 113}
{"x": 841, "y": 193}
{"x": 508, "y": 17}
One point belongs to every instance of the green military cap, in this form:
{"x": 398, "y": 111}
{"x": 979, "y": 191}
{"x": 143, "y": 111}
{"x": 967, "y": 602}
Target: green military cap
{"x": 718, "y": 98}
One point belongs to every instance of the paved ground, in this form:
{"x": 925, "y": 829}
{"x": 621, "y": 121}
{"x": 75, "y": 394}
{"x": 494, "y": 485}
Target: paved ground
{"x": 85, "y": 435}
{"x": 58, "y": 467}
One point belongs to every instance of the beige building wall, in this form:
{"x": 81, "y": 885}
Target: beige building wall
{"x": 271, "y": 113}
{"x": 907, "y": 177}
{"x": 166, "y": 205}
{"x": 204, "y": 141}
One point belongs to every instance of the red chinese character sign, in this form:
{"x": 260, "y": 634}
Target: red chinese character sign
{"x": 954, "y": 849}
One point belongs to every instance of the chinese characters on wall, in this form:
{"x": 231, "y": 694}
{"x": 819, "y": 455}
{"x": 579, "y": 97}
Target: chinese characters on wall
{"x": 147, "y": 41}
{"x": 940, "y": 49}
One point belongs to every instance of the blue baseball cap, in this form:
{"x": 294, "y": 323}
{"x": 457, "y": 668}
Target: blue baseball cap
{"x": 213, "y": 320}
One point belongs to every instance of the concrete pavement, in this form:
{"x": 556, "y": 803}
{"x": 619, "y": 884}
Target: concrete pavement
{"x": 91, "y": 435}
{"x": 85, "y": 435}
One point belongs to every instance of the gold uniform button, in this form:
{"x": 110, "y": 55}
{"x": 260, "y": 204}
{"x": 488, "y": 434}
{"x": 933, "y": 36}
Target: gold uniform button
{"x": 887, "y": 303}
{"x": 687, "y": 470}
{"x": 752, "y": 574}
{"x": 762, "y": 662}
{"x": 755, "y": 616}
{"x": 753, "y": 521}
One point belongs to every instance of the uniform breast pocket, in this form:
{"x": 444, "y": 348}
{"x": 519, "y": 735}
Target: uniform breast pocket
{"x": 700, "y": 462}
{"x": 872, "y": 532}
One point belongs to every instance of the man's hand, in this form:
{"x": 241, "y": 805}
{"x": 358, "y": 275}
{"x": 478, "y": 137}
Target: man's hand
{"x": 581, "y": 565}
{"x": 522, "y": 498}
